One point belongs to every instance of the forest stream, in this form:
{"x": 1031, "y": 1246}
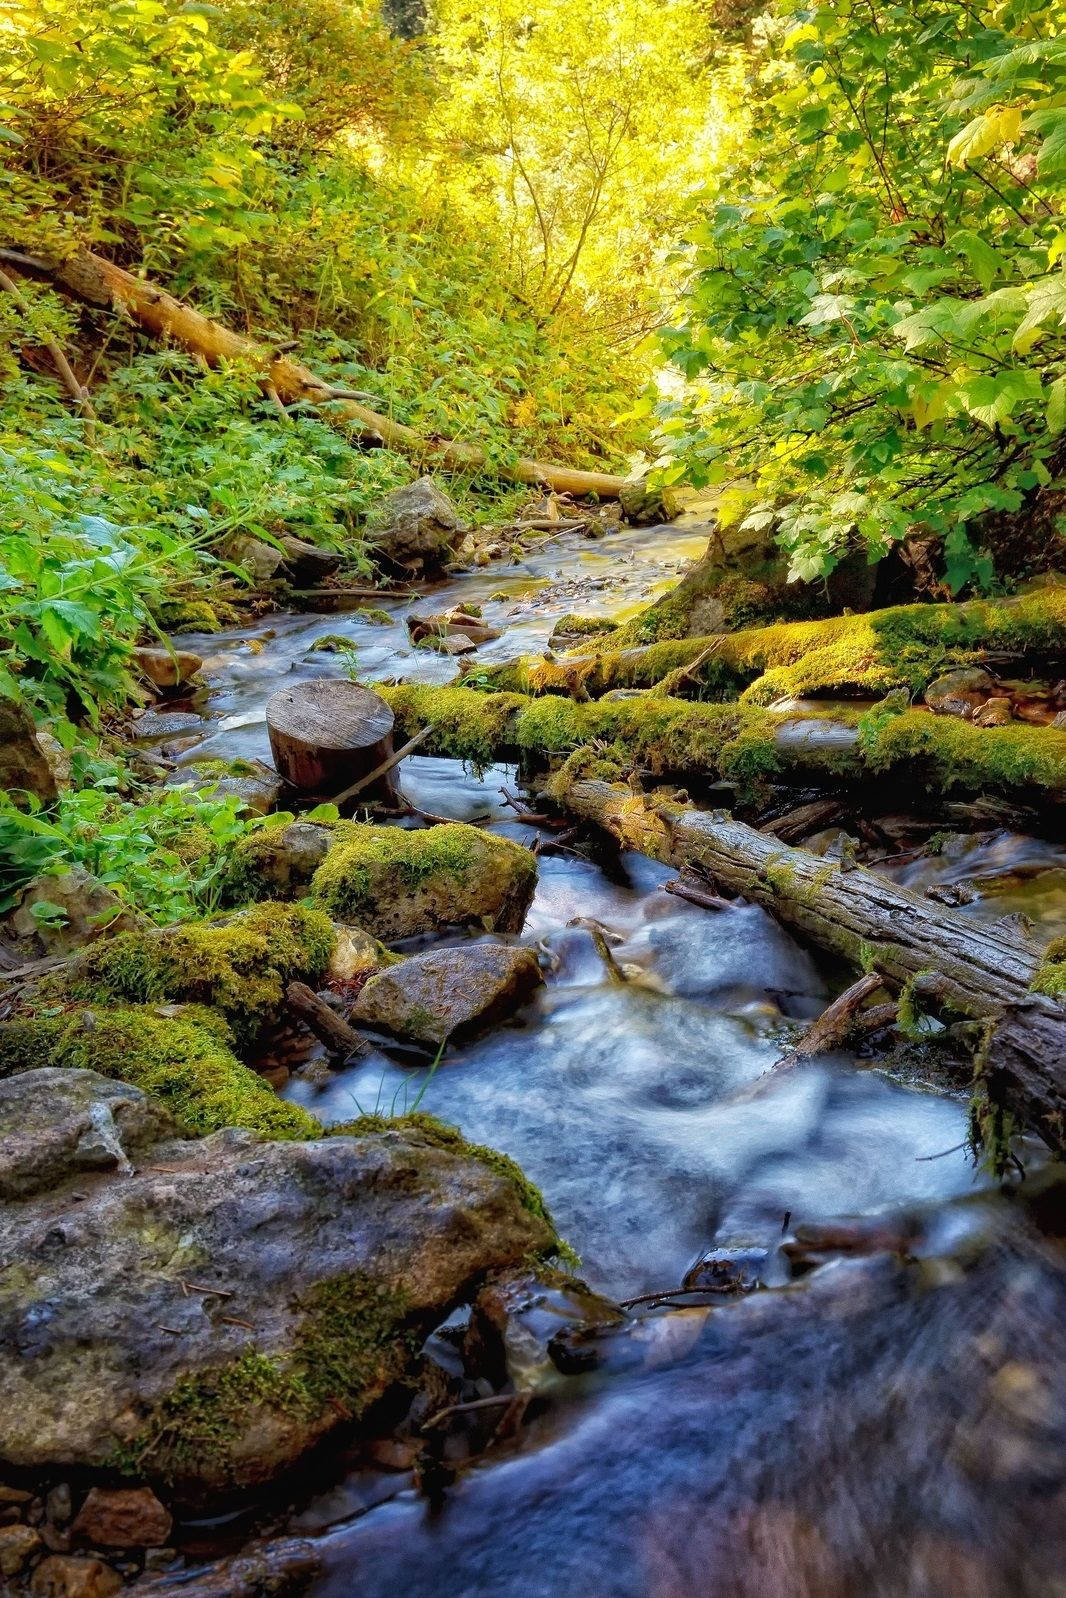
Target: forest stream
{"x": 885, "y": 1422}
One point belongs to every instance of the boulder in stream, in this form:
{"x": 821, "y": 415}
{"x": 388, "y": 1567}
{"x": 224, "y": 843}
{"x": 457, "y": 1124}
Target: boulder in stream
{"x": 418, "y": 527}
{"x": 167, "y": 669}
{"x": 444, "y": 994}
{"x": 199, "y": 1323}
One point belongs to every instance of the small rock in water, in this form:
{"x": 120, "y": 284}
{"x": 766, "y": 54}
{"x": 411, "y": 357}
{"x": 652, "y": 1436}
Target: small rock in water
{"x": 958, "y": 693}
{"x": 446, "y": 993}
{"x": 517, "y": 1316}
{"x": 995, "y": 712}
{"x": 306, "y": 564}
{"x": 166, "y": 669}
{"x": 62, "y": 1576}
{"x": 18, "y": 1545}
{"x": 167, "y": 724}
{"x": 122, "y": 1517}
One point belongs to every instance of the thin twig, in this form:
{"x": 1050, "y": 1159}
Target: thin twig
{"x": 384, "y": 768}
{"x": 78, "y": 393}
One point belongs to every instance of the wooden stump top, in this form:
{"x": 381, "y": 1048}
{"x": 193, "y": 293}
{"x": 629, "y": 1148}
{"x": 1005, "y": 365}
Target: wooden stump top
{"x": 329, "y": 713}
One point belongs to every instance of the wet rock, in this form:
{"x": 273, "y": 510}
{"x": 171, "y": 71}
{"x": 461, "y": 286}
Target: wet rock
{"x": 642, "y": 506}
{"x": 995, "y": 712}
{"x": 728, "y": 1270}
{"x": 257, "y": 786}
{"x": 418, "y": 527}
{"x": 122, "y": 1517}
{"x": 56, "y": 1123}
{"x": 23, "y": 766}
{"x": 57, "y": 1506}
{"x": 158, "y": 724}
{"x": 84, "y": 909}
{"x": 65, "y": 1576}
{"x": 166, "y": 669}
{"x": 18, "y": 1545}
{"x": 517, "y": 1316}
{"x": 451, "y": 631}
{"x": 354, "y": 953}
{"x": 305, "y": 564}
{"x": 958, "y": 693}
{"x": 444, "y": 994}
{"x": 280, "y": 862}
{"x": 205, "y": 1320}
{"x": 260, "y": 560}
{"x": 280, "y": 1568}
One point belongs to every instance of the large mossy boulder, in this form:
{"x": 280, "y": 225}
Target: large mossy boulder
{"x": 181, "y": 1054}
{"x": 205, "y": 1320}
{"x": 445, "y": 994}
{"x": 67, "y": 1123}
{"x": 239, "y": 965}
{"x": 396, "y": 883}
{"x": 417, "y": 528}
{"x": 391, "y": 881}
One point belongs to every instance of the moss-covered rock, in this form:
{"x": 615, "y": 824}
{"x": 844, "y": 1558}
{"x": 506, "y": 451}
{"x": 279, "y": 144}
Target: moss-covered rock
{"x": 277, "y": 862}
{"x": 395, "y": 883}
{"x": 1051, "y": 977}
{"x": 184, "y": 1062}
{"x": 238, "y": 965}
{"x": 233, "y": 1301}
{"x": 443, "y": 994}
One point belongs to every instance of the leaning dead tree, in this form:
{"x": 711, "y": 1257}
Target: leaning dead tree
{"x": 980, "y": 970}
{"x": 96, "y": 281}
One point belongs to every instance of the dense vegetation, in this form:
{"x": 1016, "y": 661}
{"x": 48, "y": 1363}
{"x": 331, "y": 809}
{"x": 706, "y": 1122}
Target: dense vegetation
{"x": 811, "y": 257}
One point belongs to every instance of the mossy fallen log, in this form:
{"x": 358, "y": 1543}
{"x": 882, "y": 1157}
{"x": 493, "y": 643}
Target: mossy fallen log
{"x": 903, "y": 646}
{"x": 978, "y": 969}
{"x": 704, "y": 743}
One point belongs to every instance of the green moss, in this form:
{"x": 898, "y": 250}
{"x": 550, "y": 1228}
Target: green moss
{"x": 182, "y": 615}
{"x": 442, "y": 1136}
{"x": 331, "y": 644}
{"x": 374, "y": 615}
{"x": 354, "y": 1341}
{"x": 222, "y": 768}
{"x": 238, "y": 966}
{"x": 370, "y": 870}
{"x": 902, "y": 647}
{"x": 184, "y": 1061}
{"x": 1051, "y": 976}
{"x": 664, "y": 736}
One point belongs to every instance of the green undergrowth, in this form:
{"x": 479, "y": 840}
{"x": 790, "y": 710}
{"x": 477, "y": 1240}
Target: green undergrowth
{"x": 238, "y": 966}
{"x": 185, "y": 1061}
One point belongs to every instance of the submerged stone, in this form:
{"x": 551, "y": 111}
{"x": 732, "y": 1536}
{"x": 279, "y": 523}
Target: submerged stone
{"x": 443, "y": 994}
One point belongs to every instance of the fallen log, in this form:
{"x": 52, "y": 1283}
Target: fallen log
{"x": 97, "y": 281}
{"x": 980, "y": 970}
{"x": 744, "y": 744}
{"x": 903, "y": 646}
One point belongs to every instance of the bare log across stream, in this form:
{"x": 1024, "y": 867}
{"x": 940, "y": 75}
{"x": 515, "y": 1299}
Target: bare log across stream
{"x": 702, "y": 743}
{"x": 978, "y": 969}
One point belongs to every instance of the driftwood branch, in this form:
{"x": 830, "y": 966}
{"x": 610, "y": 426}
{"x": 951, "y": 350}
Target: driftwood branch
{"x": 77, "y": 391}
{"x": 340, "y": 1040}
{"x": 979, "y": 970}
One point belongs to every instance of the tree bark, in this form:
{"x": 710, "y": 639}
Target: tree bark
{"x": 340, "y": 1041}
{"x": 99, "y": 282}
{"x": 327, "y": 735}
{"x": 981, "y": 970}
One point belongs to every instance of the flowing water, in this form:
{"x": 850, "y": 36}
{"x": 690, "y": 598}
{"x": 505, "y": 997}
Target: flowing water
{"x": 877, "y": 1427}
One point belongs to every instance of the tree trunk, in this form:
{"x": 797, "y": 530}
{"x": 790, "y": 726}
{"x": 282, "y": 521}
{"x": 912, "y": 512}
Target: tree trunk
{"x": 99, "y": 282}
{"x": 911, "y": 751}
{"x": 328, "y": 734}
{"x": 981, "y": 970}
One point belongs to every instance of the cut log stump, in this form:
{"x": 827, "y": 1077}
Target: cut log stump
{"x": 328, "y": 734}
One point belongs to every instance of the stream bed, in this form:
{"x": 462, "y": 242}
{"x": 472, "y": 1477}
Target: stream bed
{"x": 877, "y": 1427}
